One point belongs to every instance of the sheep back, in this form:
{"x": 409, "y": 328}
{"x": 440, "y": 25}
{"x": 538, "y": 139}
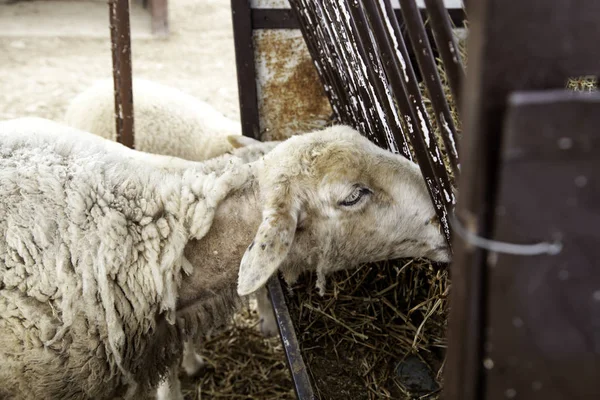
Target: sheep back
{"x": 167, "y": 120}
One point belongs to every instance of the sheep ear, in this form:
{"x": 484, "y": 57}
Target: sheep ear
{"x": 238, "y": 141}
{"x": 267, "y": 251}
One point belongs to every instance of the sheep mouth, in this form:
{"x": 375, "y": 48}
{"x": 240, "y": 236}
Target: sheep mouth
{"x": 440, "y": 254}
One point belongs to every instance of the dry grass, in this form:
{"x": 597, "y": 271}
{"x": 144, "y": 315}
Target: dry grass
{"x": 367, "y": 322}
{"x": 583, "y": 84}
{"x": 241, "y": 364}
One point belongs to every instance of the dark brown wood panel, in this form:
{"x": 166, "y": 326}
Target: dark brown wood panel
{"x": 544, "y": 311}
{"x": 516, "y": 45}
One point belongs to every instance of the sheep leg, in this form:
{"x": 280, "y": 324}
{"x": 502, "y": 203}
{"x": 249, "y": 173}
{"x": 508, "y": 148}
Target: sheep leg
{"x": 170, "y": 388}
{"x": 268, "y": 323}
{"x": 192, "y": 362}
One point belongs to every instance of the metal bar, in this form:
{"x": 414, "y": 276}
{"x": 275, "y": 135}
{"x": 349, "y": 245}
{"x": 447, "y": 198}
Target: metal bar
{"x": 428, "y": 154}
{"x": 399, "y": 72}
{"x": 160, "y": 17}
{"x": 350, "y": 49}
{"x": 390, "y": 118}
{"x": 246, "y": 68}
{"x": 427, "y": 64}
{"x": 302, "y": 385}
{"x": 284, "y": 18}
{"x": 446, "y": 46}
{"x": 120, "y": 33}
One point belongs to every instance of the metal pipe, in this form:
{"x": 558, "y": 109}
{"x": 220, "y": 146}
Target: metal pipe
{"x": 160, "y": 17}
{"x": 120, "y": 33}
{"x": 431, "y": 78}
{"x": 302, "y": 385}
{"x": 384, "y": 101}
{"x": 446, "y": 46}
{"x": 246, "y": 68}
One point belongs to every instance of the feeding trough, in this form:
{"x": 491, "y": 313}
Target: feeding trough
{"x": 366, "y": 69}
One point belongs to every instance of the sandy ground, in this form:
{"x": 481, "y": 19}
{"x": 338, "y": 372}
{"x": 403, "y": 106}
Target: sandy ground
{"x": 39, "y": 75}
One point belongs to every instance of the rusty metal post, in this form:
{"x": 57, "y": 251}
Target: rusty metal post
{"x": 446, "y": 45}
{"x": 120, "y": 33}
{"x": 241, "y": 15}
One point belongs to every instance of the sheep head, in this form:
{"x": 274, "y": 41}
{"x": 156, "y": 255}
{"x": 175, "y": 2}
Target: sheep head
{"x": 332, "y": 200}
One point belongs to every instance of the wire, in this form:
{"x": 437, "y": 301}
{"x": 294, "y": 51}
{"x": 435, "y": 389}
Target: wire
{"x": 504, "y": 247}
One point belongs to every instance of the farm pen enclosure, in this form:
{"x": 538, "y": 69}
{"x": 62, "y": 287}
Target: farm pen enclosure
{"x": 516, "y": 256}
{"x": 525, "y": 294}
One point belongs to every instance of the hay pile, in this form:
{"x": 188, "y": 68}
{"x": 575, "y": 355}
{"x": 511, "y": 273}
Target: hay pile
{"x": 241, "y": 364}
{"x": 355, "y": 337}
{"x": 583, "y": 84}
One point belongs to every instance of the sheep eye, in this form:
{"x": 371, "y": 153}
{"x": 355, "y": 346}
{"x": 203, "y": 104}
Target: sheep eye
{"x": 355, "y": 196}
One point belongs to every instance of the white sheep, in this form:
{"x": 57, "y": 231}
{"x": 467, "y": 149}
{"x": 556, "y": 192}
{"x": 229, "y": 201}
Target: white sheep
{"x": 167, "y": 120}
{"x": 170, "y": 122}
{"x": 108, "y": 262}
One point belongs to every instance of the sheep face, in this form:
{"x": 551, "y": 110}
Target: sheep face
{"x": 332, "y": 200}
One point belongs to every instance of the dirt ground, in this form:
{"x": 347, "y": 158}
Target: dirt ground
{"x": 40, "y": 75}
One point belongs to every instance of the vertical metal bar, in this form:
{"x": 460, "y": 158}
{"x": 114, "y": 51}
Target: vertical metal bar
{"x": 302, "y": 385}
{"x": 333, "y": 39}
{"x": 426, "y": 60}
{"x": 371, "y": 57}
{"x": 422, "y": 139}
{"x": 160, "y": 17}
{"x": 343, "y": 33}
{"x": 246, "y": 77}
{"x": 446, "y": 45}
{"x": 246, "y": 68}
{"x": 120, "y": 33}
{"x": 399, "y": 73}
{"x": 482, "y": 119}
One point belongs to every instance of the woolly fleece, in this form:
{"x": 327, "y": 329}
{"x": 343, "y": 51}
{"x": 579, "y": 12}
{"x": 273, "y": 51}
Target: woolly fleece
{"x": 91, "y": 258}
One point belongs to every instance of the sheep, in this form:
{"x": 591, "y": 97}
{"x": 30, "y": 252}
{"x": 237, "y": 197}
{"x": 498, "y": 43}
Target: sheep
{"x": 167, "y": 120}
{"x": 170, "y": 122}
{"x": 108, "y": 262}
